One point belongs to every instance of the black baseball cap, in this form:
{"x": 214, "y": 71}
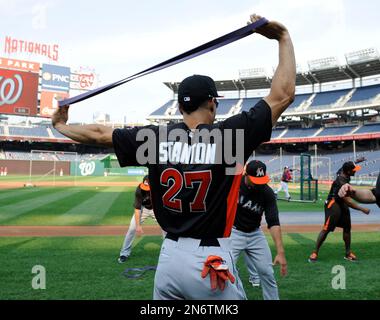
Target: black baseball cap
{"x": 195, "y": 90}
{"x": 350, "y": 166}
{"x": 145, "y": 184}
{"x": 257, "y": 172}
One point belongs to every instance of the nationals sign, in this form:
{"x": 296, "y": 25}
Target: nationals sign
{"x": 18, "y": 92}
{"x": 12, "y": 45}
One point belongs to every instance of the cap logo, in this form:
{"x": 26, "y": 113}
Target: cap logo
{"x": 186, "y": 99}
{"x": 260, "y": 172}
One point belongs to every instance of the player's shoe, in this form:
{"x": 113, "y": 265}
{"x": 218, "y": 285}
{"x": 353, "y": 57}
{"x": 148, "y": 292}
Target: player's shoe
{"x": 289, "y": 199}
{"x": 255, "y": 283}
{"x": 313, "y": 257}
{"x": 351, "y": 257}
{"x": 122, "y": 259}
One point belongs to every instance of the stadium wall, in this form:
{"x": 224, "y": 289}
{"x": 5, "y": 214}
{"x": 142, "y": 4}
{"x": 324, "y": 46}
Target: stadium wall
{"x": 22, "y": 167}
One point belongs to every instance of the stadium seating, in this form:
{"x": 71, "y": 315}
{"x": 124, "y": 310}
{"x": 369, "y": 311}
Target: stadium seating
{"x": 225, "y": 106}
{"x": 323, "y": 99}
{"x": 298, "y": 100}
{"x": 161, "y": 111}
{"x": 276, "y": 133}
{"x": 248, "y": 103}
{"x": 20, "y": 155}
{"x": 295, "y": 133}
{"x": 336, "y": 131}
{"x": 365, "y": 93}
{"x": 57, "y": 134}
{"x": 28, "y": 131}
{"x": 369, "y": 128}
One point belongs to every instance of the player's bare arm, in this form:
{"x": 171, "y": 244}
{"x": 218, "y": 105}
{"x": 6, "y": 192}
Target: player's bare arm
{"x": 90, "y": 134}
{"x": 352, "y": 204}
{"x": 282, "y": 90}
{"x": 360, "y": 195}
{"x": 139, "y": 229}
{"x": 280, "y": 259}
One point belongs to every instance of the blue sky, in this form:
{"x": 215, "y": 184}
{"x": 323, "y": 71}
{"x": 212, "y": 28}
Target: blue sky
{"x": 119, "y": 38}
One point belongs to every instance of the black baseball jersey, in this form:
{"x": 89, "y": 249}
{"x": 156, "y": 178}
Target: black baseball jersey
{"x": 142, "y": 199}
{"x": 335, "y": 187}
{"x": 376, "y": 191}
{"x": 253, "y": 203}
{"x": 192, "y": 195}
{"x": 376, "y": 194}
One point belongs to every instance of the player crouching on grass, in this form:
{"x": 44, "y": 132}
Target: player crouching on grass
{"x": 337, "y": 212}
{"x": 143, "y": 210}
{"x": 255, "y": 199}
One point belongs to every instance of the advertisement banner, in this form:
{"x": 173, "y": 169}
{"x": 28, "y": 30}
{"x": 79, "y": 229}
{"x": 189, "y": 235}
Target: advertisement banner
{"x": 55, "y": 78}
{"x": 49, "y": 103}
{"x": 18, "y": 92}
{"x": 87, "y": 168}
{"x": 136, "y": 172}
{"x": 84, "y": 79}
{"x": 22, "y": 65}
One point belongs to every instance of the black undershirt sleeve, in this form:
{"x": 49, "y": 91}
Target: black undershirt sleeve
{"x": 271, "y": 211}
{"x": 138, "y": 199}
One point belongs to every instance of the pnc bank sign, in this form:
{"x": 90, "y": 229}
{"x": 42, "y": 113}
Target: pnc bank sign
{"x": 55, "y": 78}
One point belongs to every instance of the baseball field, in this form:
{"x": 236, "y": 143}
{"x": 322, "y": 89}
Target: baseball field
{"x": 75, "y": 230}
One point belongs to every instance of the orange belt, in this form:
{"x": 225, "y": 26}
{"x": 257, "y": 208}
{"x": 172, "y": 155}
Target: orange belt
{"x": 330, "y": 204}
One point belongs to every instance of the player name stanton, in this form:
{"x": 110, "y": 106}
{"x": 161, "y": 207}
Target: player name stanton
{"x": 178, "y": 152}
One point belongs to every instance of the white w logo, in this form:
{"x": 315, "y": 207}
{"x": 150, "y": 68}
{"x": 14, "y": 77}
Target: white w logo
{"x": 87, "y": 168}
{"x": 260, "y": 172}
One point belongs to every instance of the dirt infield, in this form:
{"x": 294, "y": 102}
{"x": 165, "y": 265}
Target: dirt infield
{"x": 19, "y": 184}
{"x": 78, "y": 231}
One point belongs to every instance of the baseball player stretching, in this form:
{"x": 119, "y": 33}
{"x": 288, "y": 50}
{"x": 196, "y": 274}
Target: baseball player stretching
{"x": 256, "y": 198}
{"x": 143, "y": 210}
{"x": 285, "y": 179}
{"x": 194, "y": 195}
{"x": 337, "y": 212}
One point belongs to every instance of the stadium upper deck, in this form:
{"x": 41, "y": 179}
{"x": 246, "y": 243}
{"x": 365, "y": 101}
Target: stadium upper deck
{"x": 358, "y": 83}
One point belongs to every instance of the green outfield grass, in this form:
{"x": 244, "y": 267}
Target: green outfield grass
{"x": 50, "y": 178}
{"x": 87, "y": 205}
{"x": 86, "y": 268}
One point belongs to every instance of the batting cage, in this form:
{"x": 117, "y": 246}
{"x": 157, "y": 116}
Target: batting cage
{"x": 308, "y": 185}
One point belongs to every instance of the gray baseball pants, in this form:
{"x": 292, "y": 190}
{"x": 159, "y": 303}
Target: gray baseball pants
{"x": 130, "y": 236}
{"x": 180, "y": 264}
{"x": 258, "y": 255}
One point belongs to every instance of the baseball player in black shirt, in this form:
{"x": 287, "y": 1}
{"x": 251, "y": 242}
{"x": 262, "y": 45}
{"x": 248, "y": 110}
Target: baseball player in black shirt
{"x": 194, "y": 183}
{"x": 337, "y": 212}
{"x": 255, "y": 199}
